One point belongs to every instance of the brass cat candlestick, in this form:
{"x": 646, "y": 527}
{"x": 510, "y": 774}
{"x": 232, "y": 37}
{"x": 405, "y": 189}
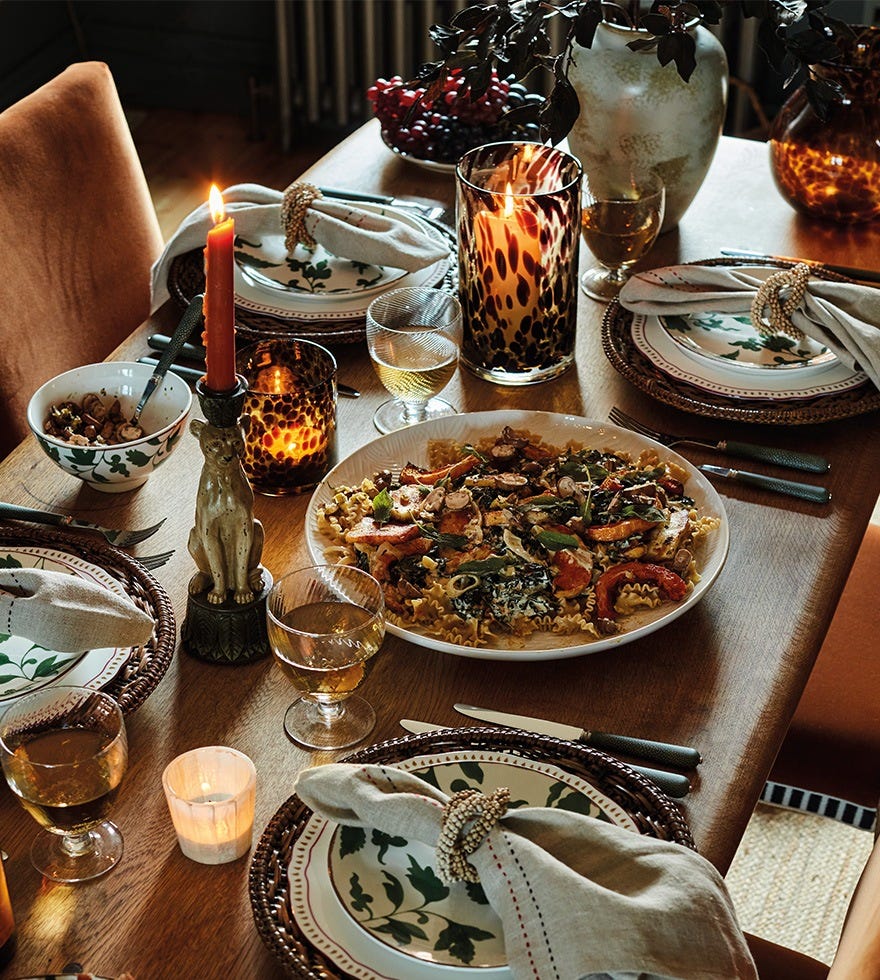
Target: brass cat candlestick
{"x": 226, "y": 606}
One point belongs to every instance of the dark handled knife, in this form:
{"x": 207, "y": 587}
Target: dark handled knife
{"x": 195, "y": 352}
{"x": 672, "y": 783}
{"x": 673, "y": 755}
{"x": 789, "y": 458}
{"x": 865, "y": 275}
{"x": 192, "y": 315}
{"x": 803, "y": 491}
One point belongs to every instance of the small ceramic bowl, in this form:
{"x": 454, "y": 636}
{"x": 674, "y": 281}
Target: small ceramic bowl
{"x": 127, "y": 465}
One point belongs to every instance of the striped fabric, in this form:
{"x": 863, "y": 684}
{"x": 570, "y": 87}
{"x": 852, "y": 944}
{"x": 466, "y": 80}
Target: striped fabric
{"x": 792, "y": 798}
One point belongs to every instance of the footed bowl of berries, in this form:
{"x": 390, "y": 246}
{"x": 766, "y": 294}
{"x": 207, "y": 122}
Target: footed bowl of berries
{"x": 435, "y": 133}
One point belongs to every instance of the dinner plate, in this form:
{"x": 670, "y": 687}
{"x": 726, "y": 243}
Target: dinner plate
{"x": 717, "y": 376}
{"x": 392, "y": 451}
{"x": 390, "y": 887}
{"x": 280, "y": 301}
{"x": 323, "y": 894}
{"x": 732, "y": 340}
{"x": 25, "y": 666}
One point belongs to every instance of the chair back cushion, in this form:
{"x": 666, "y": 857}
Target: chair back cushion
{"x": 78, "y": 234}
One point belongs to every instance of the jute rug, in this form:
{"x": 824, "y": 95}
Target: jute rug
{"x": 793, "y": 875}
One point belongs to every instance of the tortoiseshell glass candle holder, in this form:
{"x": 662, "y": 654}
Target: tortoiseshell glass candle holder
{"x": 519, "y": 208}
{"x": 290, "y": 441}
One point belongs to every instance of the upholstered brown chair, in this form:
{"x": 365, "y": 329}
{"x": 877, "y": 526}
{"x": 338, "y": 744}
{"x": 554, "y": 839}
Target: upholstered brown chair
{"x": 78, "y": 234}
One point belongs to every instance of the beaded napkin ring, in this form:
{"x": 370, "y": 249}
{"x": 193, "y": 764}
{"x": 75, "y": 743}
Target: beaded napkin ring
{"x": 453, "y": 847}
{"x": 768, "y": 297}
{"x": 294, "y": 205}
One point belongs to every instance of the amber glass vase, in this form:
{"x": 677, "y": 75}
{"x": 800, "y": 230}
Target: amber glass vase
{"x": 831, "y": 168}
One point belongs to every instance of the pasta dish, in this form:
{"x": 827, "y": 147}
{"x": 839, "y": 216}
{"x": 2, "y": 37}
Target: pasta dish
{"x": 509, "y": 536}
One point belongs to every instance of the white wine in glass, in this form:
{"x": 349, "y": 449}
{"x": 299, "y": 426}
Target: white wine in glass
{"x": 620, "y": 221}
{"x": 413, "y": 336}
{"x": 325, "y": 624}
{"x": 64, "y": 753}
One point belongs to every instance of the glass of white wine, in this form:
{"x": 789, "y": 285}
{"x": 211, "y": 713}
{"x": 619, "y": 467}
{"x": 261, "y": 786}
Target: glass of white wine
{"x": 413, "y": 336}
{"x": 325, "y": 623}
{"x": 621, "y": 216}
{"x": 64, "y": 752}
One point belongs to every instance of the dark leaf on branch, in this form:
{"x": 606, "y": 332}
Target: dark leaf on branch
{"x": 656, "y": 24}
{"x": 772, "y": 45}
{"x": 588, "y": 19}
{"x": 472, "y": 17}
{"x": 811, "y": 47}
{"x": 478, "y": 79}
{"x": 680, "y": 48}
{"x": 446, "y": 38}
{"x": 430, "y": 71}
{"x": 822, "y": 94}
{"x": 710, "y": 11}
{"x": 642, "y": 44}
{"x": 559, "y": 112}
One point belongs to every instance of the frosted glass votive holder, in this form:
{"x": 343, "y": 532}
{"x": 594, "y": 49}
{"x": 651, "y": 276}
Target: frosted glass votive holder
{"x": 211, "y": 794}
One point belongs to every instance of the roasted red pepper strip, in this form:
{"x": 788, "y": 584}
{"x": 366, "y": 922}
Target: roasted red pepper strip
{"x": 672, "y": 586}
{"x": 620, "y": 529}
{"x": 413, "y": 474}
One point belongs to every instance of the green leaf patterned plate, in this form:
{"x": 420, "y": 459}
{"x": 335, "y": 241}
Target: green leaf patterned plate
{"x": 308, "y": 273}
{"x": 732, "y": 339}
{"x": 24, "y": 666}
{"x": 389, "y": 885}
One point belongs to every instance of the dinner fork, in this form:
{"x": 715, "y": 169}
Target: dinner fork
{"x": 151, "y": 562}
{"x": 122, "y": 539}
{"x": 781, "y": 457}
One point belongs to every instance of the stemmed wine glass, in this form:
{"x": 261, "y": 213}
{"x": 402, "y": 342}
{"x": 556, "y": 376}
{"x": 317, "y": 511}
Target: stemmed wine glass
{"x": 621, "y": 217}
{"x": 413, "y": 336}
{"x": 325, "y": 623}
{"x": 64, "y": 752}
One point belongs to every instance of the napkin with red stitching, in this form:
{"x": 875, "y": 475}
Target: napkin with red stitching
{"x": 843, "y": 316}
{"x": 577, "y": 897}
{"x": 342, "y": 228}
{"x": 68, "y": 614}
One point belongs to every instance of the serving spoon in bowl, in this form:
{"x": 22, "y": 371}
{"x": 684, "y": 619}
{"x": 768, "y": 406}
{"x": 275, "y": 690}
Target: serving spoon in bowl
{"x": 181, "y": 335}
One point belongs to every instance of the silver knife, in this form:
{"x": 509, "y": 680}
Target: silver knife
{"x": 804, "y": 491}
{"x": 672, "y": 755}
{"x": 672, "y": 783}
{"x": 345, "y": 194}
{"x": 865, "y": 275}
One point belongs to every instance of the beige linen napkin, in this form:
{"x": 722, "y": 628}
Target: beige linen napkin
{"x": 845, "y": 317}
{"x": 68, "y": 614}
{"x": 577, "y": 897}
{"x": 341, "y": 228}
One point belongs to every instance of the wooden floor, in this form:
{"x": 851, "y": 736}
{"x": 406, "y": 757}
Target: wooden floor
{"x": 183, "y": 153}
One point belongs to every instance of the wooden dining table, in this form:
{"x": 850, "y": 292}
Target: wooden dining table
{"x": 725, "y": 677}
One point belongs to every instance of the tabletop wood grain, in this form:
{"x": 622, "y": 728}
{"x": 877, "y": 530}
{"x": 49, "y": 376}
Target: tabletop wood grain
{"x": 725, "y": 677}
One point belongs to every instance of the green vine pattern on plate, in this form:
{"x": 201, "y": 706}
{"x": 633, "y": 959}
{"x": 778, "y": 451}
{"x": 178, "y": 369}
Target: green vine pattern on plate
{"x": 781, "y": 349}
{"x": 308, "y": 276}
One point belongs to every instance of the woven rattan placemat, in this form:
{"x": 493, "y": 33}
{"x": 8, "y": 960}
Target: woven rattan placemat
{"x": 145, "y": 665}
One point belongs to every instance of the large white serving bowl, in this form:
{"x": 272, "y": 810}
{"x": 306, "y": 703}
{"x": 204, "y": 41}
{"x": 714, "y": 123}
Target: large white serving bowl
{"x": 126, "y": 466}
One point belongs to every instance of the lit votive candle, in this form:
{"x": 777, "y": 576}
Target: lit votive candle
{"x": 211, "y": 794}
{"x": 290, "y": 441}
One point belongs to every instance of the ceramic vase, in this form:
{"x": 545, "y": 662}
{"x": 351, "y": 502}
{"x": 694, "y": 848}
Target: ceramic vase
{"x": 638, "y": 113}
{"x": 831, "y": 168}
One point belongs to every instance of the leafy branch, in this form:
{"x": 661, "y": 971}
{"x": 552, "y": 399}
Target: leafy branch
{"x": 511, "y": 36}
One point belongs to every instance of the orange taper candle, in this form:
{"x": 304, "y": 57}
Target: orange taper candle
{"x": 219, "y": 336}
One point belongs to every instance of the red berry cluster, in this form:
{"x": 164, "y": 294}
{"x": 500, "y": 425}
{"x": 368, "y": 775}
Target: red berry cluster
{"x": 452, "y": 123}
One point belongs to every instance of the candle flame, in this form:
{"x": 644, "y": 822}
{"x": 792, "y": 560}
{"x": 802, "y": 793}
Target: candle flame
{"x": 508, "y": 201}
{"x": 218, "y": 210}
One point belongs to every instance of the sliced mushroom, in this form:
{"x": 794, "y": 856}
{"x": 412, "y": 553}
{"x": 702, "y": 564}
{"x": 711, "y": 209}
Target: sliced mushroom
{"x": 434, "y": 501}
{"x": 510, "y": 481}
{"x": 566, "y": 486}
{"x": 457, "y": 500}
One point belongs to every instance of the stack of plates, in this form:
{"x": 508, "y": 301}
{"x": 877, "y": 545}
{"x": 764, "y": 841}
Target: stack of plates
{"x": 718, "y": 364}
{"x": 310, "y": 292}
